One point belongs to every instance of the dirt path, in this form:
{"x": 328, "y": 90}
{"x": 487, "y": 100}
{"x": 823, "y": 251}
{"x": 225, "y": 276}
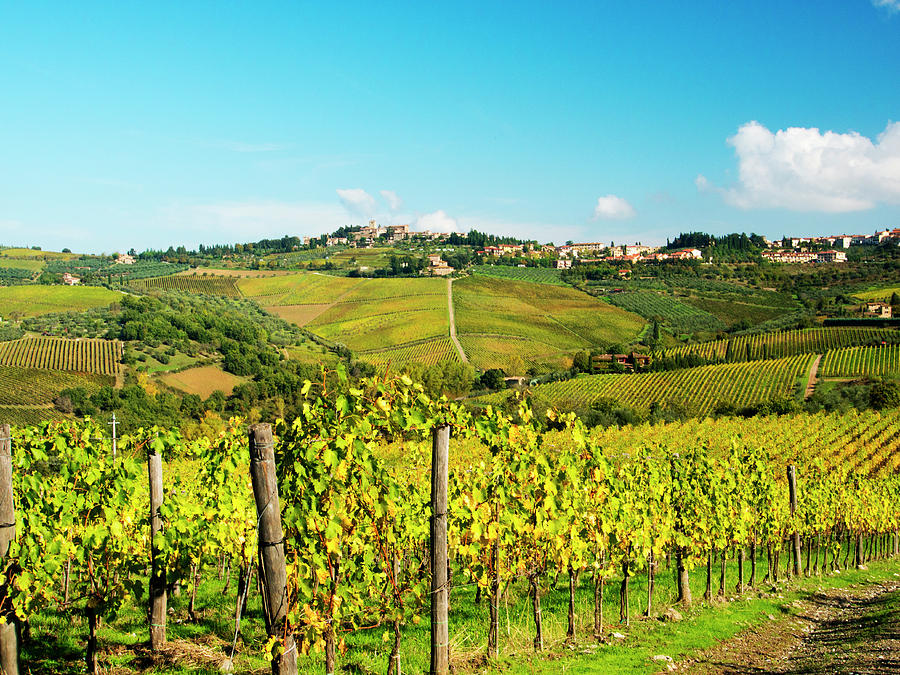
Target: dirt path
{"x": 811, "y": 382}
{"x": 462, "y": 354}
{"x": 844, "y": 630}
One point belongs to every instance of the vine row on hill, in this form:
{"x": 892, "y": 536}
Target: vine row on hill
{"x": 53, "y": 353}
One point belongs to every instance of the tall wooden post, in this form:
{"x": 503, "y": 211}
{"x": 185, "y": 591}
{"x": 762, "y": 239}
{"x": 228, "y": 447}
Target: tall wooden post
{"x": 792, "y": 488}
{"x": 271, "y": 546}
{"x": 157, "y": 565}
{"x": 9, "y": 643}
{"x": 440, "y": 632}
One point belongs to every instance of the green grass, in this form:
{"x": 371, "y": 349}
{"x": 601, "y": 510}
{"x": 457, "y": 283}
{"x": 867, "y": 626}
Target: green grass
{"x": 310, "y": 352}
{"x": 352, "y": 309}
{"x": 59, "y": 638}
{"x": 378, "y": 314}
{"x": 561, "y": 317}
{"x": 538, "y": 275}
{"x": 27, "y": 301}
{"x": 515, "y": 356}
{"x": 384, "y": 289}
{"x": 383, "y": 328}
{"x": 177, "y": 362}
{"x": 705, "y": 626}
{"x": 296, "y": 289}
{"x": 30, "y": 264}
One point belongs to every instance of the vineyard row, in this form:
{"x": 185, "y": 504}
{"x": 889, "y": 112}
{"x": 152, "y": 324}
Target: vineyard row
{"x": 53, "y": 353}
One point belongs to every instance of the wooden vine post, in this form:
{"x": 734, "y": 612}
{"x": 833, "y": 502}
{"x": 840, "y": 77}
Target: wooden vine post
{"x": 792, "y": 488}
{"x": 271, "y": 547}
{"x": 157, "y": 565}
{"x": 9, "y": 644}
{"x": 440, "y": 633}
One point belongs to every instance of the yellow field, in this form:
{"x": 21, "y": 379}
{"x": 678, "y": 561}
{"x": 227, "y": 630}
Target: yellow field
{"x": 878, "y": 294}
{"x": 296, "y": 288}
{"x": 298, "y": 314}
{"x": 512, "y": 355}
{"x": 24, "y": 301}
{"x": 247, "y": 274}
{"x": 30, "y": 264}
{"x": 38, "y": 255}
{"x": 510, "y": 324}
{"x": 203, "y": 381}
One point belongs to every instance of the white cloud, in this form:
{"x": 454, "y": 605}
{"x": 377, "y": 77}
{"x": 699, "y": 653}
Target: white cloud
{"x": 805, "y": 170}
{"x": 613, "y": 208}
{"x": 890, "y": 5}
{"x": 357, "y": 201}
{"x": 393, "y": 199}
{"x": 438, "y": 221}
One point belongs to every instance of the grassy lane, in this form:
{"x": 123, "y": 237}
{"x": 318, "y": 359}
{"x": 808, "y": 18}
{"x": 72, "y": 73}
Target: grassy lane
{"x": 57, "y": 641}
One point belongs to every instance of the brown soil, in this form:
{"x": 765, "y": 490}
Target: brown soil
{"x": 846, "y": 630}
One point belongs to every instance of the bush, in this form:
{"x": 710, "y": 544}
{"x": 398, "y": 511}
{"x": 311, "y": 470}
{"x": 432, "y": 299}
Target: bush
{"x": 885, "y": 394}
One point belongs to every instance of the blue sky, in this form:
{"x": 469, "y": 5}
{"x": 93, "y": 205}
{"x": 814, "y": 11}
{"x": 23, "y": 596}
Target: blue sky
{"x": 149, "y": 124}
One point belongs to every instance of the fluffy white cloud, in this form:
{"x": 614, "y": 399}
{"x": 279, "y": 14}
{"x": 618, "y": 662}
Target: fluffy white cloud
{"x": 613, "y": 208}
{"x": 805, "y": 170}
{"x": 438, "y": 221}
{"x": 392, "y": 199}
{"x": 358, "y": 202}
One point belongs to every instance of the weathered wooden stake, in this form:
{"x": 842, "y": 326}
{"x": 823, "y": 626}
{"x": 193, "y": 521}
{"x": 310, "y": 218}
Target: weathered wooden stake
{"x": 9, "y": 639}
{"x": 792, "y": 487}
{"x": 570, "y": 630}
{"x": 536, "y": 609}
{"x": 157, "y": 566}
{"x": 271, "y": 545}
{"x": 684, "y": 578}
{"x": 440, "y": 633}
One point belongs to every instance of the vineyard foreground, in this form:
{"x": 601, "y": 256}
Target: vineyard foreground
{"x": 560, "y": 540}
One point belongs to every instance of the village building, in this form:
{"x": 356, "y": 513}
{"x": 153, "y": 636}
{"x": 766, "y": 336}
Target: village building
{"x": 70, "y": 280}
{"x": 880, "y": 309}
{"x": 687, "y": 254}
{"x": 831, "y": 256}
{"x": 397, "y": 233}
{"x": 587, "y": 247}
{"x": 438, "y": 267}
{"x": 601, "y": 362}
{"x": 125, "y": 259}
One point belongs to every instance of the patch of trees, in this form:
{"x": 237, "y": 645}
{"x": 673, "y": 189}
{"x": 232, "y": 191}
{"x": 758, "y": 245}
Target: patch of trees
{"x": 480, "y": 239}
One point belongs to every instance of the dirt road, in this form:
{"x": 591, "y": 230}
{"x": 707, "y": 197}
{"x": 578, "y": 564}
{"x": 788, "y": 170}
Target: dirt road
{"x": 846, "y": 630}
{"x": 462, "y": 354}
{"x": 813, "y": 372}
